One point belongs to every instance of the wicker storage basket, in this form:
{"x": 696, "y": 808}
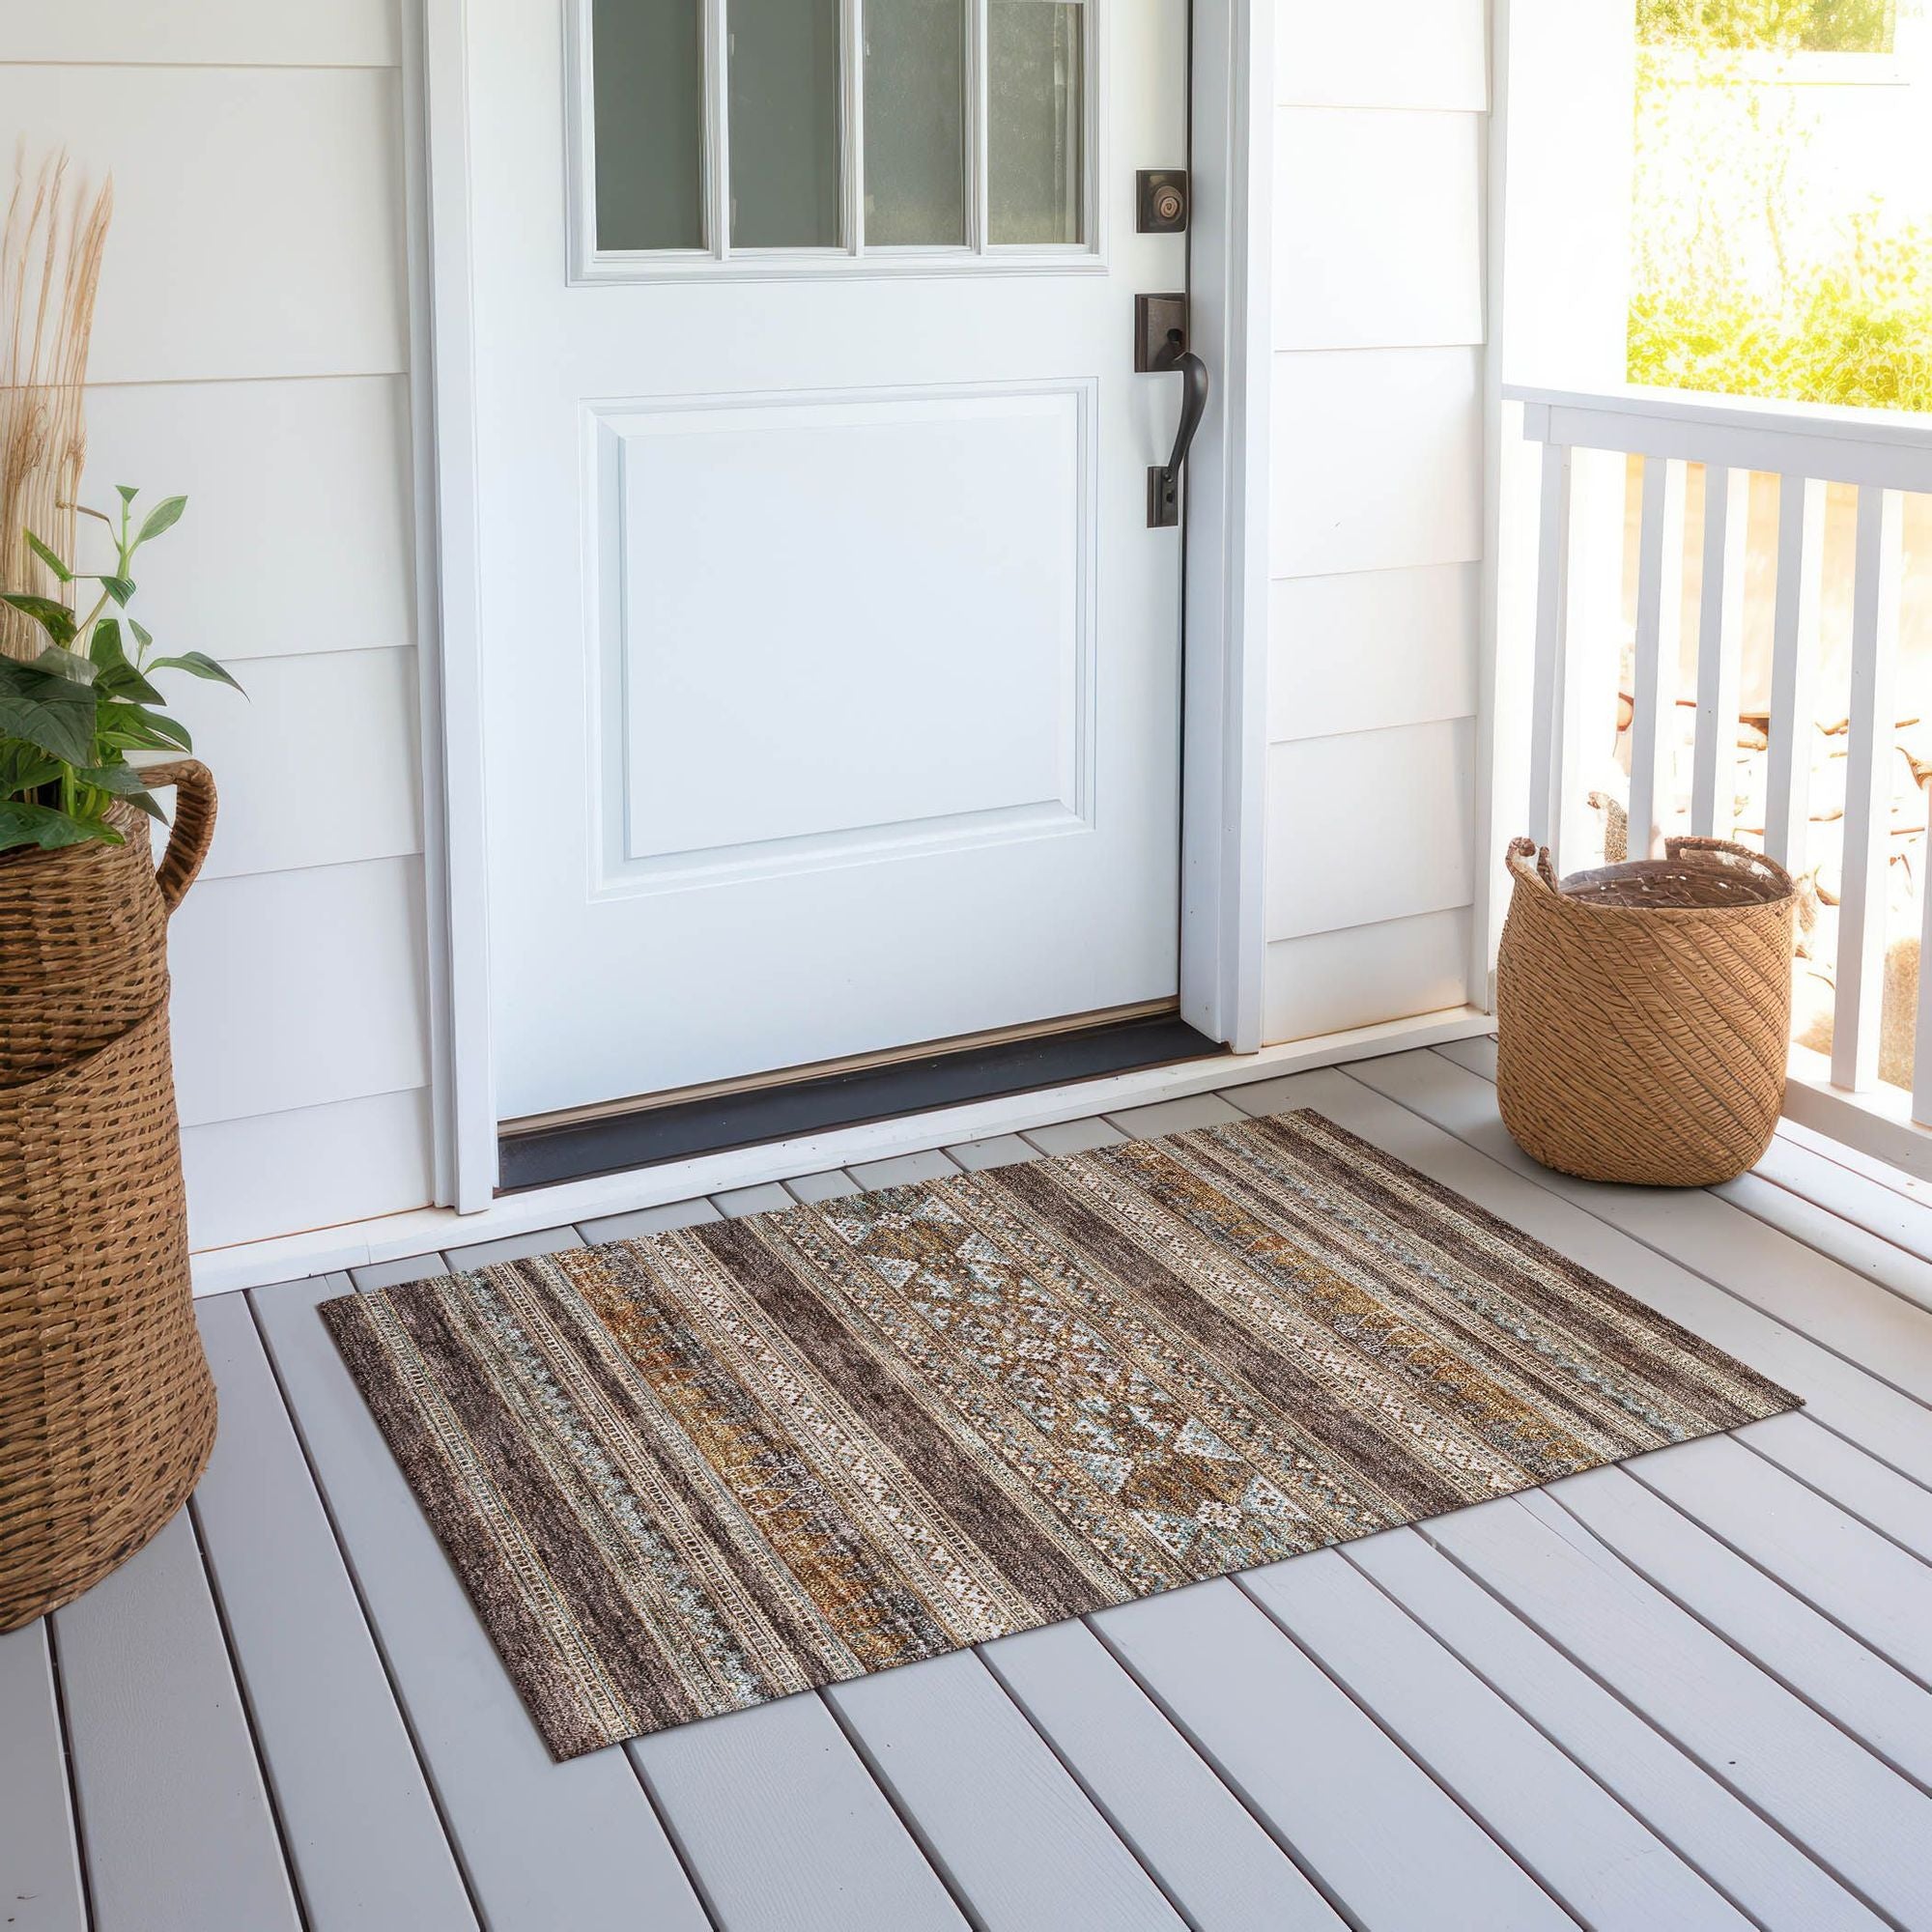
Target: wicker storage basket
{"x": 106, "y": 1405}
{"x": 1644, "y": 1013}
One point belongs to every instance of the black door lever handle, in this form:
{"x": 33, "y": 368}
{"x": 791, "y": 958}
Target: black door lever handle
{"x": 1164, "y": 482}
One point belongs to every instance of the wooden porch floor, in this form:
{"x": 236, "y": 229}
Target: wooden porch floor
{"x": 1691, "y": 1692}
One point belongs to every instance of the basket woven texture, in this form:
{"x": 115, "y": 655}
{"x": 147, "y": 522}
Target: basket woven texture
{"x": 1644, "y": 1013}
{"x": 106, "y": 1404}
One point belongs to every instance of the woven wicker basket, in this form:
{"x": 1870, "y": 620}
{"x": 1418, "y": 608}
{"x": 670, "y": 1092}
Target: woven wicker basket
{"x": 1644, "y": 1013}
{"x": 106, "y": 1405}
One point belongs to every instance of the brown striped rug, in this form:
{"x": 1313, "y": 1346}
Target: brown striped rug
{"x": 684, "y": 1474}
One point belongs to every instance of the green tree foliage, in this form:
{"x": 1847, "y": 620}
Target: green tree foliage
{"x": 1747, "y": 278}
{"x": 1822, "y": 26}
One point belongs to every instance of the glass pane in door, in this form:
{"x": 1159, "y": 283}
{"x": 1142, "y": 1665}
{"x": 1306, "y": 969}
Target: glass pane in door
{"x": 1035, "y": 99}
{"x": 915, "y": 123}
{"x": 784, "y": 58}
{"x": 648, "y": 100}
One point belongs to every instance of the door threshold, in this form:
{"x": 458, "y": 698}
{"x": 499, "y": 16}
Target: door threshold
{"x": 716, "y": 1122}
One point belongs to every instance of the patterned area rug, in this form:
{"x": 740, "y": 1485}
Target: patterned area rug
{"x": 685, "y": 1474}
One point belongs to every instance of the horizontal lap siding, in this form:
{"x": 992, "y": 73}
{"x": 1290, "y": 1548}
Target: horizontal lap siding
{"x": 250, "y": 351}
{"x": 1375, "y": 487}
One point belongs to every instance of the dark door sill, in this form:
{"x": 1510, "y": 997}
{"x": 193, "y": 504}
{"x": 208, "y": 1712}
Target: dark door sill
{"x": 546, "y": 1156}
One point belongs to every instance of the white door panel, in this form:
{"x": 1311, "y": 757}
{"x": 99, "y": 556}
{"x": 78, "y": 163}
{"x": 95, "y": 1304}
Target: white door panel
{"x": 833, "y": 673}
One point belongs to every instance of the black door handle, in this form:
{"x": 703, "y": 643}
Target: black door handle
{"x": 1164, "y": 482}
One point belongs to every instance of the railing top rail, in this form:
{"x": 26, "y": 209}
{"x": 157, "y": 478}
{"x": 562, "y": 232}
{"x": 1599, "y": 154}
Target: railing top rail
{"x": 1888, "y": 448}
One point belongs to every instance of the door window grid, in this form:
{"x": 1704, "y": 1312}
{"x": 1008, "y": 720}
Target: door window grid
{"x": 997, "y": 199}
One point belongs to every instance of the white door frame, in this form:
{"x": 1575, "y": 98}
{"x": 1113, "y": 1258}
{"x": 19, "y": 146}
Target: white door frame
{"x": 1224, "y": 721}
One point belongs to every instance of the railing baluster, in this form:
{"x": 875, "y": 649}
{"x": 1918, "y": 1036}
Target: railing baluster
{"x": 1720, "y": 627}
{"x": 1660, "y": 604}
{"x": 1794, "y": 652}
{"x": 1858, "y": 1002}
{"x": 1552, "y": 624}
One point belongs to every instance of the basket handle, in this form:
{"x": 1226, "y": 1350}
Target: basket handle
{"x": 1542, "y": 872}
{"x": 193, "y": 828}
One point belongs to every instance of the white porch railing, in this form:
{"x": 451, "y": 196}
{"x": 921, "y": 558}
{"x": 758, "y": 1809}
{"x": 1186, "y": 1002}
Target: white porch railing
{"x": 1584, "y": 658}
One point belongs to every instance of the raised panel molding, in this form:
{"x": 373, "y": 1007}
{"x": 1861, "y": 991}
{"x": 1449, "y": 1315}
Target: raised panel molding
{"x": 1370, "y": 826}
{"x": 258, "y": 214}
{"x": 1365, "y": 975}
{"x": 941, "y": 538}
{"x": 298, "y": 536}
{"x": 1371, "y": 649}
{"x": 1377, "y": 229}
{"x": 1398, "y": 53}
{"x": 1377, "y": 460}
{"x": 295, "y": 989}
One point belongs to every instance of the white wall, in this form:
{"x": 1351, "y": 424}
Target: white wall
{"x": 1377, "y": 498}
{"x": 250, "y": 349}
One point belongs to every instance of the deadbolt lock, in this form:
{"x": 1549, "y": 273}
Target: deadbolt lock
{"x": 1162, "y": 200}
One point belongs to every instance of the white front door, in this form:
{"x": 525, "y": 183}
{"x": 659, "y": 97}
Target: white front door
{"x": 832, "y": 668}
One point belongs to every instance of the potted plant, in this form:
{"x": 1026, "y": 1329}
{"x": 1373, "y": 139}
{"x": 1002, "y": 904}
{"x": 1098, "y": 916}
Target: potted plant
{"x": 106, "y": 1405}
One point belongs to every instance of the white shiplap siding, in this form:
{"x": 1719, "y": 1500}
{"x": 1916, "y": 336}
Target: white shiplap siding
{"x": 251, "y": 350}
{"x": 1376, "y": 494}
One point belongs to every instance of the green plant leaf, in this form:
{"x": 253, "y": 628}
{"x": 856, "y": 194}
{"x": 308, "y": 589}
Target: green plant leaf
{"x": 51, "y": 713}
{"x": 198, "y": 664}
{"x": 120, "y": 588}
{"x": 119, "y": 677}
{"x": 48, "y": 557}
{"x": 144, "y": 636}
{"x": 55, "y": 619}
{"x": 57, "y": 661}
{"x": 122, "y": 781}
{"x": 164, "y": 516}
{"x": 43, "y": 826}
{"x": 128, "y": 727}
{"x": 25, "y": 768}
{"x": 126, "y": 492}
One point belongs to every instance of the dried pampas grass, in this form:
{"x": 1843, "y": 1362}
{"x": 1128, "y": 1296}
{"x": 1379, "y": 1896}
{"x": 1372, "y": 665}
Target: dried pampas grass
{"x": 50, "y": 251}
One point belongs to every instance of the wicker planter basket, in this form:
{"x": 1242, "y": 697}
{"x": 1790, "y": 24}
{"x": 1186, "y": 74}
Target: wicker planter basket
{"x": 1644, "y": 1013}
{"x": 106, "y": 1405}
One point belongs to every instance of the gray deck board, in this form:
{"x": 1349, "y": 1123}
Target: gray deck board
{"x": 511, "y": 1248}
{"x": 1827, "y": 1465}
{"x": 648, "y": 1221}
{"x": 1688, "y": 1692}
{"x": 1002, "y": 1151}
{"x": 1710, "y": 1828}
{"x": 1891, "y": 1266}
{"x": 1825, "y": 1790}
{"x": 1861, "y": 1582}
{"x": 176, "y": 1828}
{"x": 996, "y": 1810}
{"x": 1073, "y": 1136}
{"x": 1827, "y": 1667}
{"x": 903, "y": 1168}
{"x": 1311, "y": 1763}
{"x": 1174, "y": 1117}
{"x": 827, "y": 1185}
{"x": 40, "y": 1855}
{"x": 314, "y": 1682}
{"x": 544, "y": 1845}
{"x": 1592, "y": 1854}
{"x": 786, "y": 1826}
{"x": 767, "y": 1199}
{"x": 1215, "y": 1861}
